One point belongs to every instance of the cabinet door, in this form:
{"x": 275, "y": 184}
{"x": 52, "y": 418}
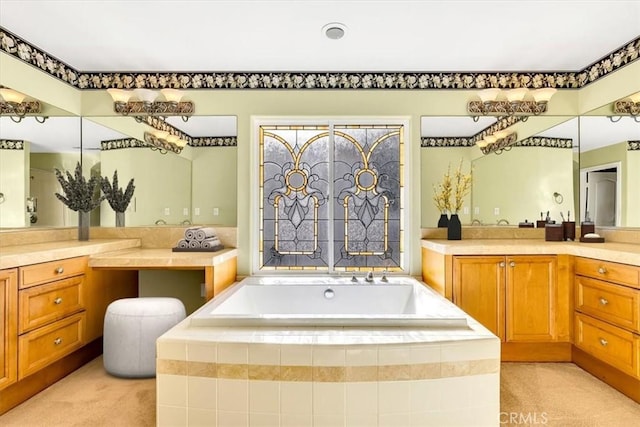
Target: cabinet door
{"x": 8, "y": 327}
{"x": 478, "y": 289}
{"x": 531, "y": 298}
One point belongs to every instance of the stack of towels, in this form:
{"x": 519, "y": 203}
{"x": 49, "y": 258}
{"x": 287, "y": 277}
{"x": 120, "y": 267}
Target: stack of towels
{"x": 200, "y": 238}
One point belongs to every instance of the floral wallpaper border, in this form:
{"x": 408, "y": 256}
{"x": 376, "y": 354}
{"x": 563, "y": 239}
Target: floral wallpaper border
{"x": 633, "y": 146}
{"x": 11, "y": 144}
{"x": 214, "y": 141}
{"x": 468, "y": 141}
{"x": 25, "y": 51}
{"x": 539, "y": 141}
{"x": 116, "y": 144}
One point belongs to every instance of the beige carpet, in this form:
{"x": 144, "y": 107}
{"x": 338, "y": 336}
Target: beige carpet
{"x": 89, "y": 397}
{"x": 546, "y": 394}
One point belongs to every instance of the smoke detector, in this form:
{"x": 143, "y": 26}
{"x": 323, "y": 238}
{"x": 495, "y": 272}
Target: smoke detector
{"x": 334, "y": 30}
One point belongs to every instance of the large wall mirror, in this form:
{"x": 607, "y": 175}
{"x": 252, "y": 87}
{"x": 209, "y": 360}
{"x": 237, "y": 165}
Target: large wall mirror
{"x": 535, "y": 177}
{"x": 610, "y": 170}
{"x": 29, "y": 154}
{"x": 196, "y": 186}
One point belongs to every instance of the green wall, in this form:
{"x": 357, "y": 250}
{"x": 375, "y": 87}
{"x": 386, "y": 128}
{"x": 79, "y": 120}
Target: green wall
{"x": 163, "y": 181}
{"x": 14, "y": 185}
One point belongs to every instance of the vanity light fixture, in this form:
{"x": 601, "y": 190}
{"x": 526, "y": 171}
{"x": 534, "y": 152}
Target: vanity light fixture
{"x": 164, "y": 141}
{"x": 141, "y": 103}
{"x": 13, "y": 104}
{"x": 497, "y": 142}
{"x": 629, "y": 106}
{"x": 520, "y": 102}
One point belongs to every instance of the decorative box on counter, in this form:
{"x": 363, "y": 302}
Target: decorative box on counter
{"x": 587, "y": 227}
{"x": 569, "y": 228}
{"x": 554, "y": 233}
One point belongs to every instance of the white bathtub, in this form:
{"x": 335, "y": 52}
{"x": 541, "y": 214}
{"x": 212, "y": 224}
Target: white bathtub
{"x": 329, "y": 301}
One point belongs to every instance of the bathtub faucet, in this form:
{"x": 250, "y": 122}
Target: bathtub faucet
{"x": 369, "y": 277}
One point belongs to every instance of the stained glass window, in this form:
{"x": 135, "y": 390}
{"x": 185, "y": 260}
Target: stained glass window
{"x": 331, "y": 197}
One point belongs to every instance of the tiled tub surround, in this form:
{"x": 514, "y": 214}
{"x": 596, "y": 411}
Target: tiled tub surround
{"x": 321, "y": 376}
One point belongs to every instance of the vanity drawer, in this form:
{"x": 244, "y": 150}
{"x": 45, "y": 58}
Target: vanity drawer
{"x": 610, "y": 344}
{"x": 44, "y": 304}
{"x": 45, "y": 345}
{"x": 611, "y": 271}
{"x": 48, "y": 271}
{"x": 613, "y": 303}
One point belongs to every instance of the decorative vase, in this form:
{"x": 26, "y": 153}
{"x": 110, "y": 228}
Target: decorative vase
{"x": 454, "y": 230}
{"x": 84, "y": 219}
{"x": 443, "y": 222}
{"x": 119, "y": 219}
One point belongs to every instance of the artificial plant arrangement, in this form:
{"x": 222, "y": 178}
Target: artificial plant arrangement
{"x": 118, "y": 199}
{"x": 442, "y": 193}
{"x": 79, "y": 194}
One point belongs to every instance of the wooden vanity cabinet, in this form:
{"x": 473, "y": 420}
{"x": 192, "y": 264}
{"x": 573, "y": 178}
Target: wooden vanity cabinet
{"x": 52, "y": 322}
{"x": 523, "y": 299}
{"x": 479, "y": 290}
{"x": 51, "y": 319}
{"x": 607, "y": 322}
{"x": 8, "y": 327}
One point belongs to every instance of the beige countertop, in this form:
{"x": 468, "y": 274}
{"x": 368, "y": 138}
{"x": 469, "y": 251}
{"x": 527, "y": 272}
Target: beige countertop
{"x": 18, "y": 255}
{"x": 160, "y": 258}
{"x": 626, "y": 253}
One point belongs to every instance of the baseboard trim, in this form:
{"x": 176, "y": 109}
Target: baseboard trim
{"x": 535, "y": 352}
{"x": 28, "y": 387}
{"x": 624, "y": 383}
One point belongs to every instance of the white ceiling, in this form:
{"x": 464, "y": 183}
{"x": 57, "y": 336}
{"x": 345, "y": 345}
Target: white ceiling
{"x": 286, "y": 35}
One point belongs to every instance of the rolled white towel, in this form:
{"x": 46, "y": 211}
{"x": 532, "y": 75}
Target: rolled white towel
{"x": 211, "y": 243}
{"x": 194, "y": 244}
{"x": 182, "y": 243}
{"x": 190, "y": 233}
{"x": 204, "y": 233}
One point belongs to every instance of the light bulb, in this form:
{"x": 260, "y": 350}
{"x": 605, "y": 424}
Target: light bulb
{"x": 119, "y": 95}
{"x": 515, "y": 95}
{"x": 11, "y": 95}
{"x": 488, "y": 95}
{"x": 172, "y": 95}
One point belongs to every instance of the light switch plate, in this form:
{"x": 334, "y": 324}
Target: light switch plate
{"x": 167, "y": 211}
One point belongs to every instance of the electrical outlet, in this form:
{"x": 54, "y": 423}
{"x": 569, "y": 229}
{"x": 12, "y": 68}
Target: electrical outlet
{"x": 465, "y": 210}
{"x": 216, "y": 211}
{"x": 476, "y": 211}
{"x": 196, "y": 211}
{"x": 496, "y": 211}
{"x": 167, "y": 211}
{"x": 185, "y": 211}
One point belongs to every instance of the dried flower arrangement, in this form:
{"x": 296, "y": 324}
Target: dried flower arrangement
{"x": 79, "y": 194}
{"x": 458, "y": 187}
{"x": 442, "y": 193}
{"x": 118, "y": 199}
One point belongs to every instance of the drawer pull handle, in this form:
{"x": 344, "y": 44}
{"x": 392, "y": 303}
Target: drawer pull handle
{"x": 604, "y": 301}
{"x": 57, "y": 301}
{"x": 603, "y": 342}
{"x": 602, "y": 270}
{"x": 512, "y": 264}
{"x": 59, "y": 270}
{"x": 57, "y": 341}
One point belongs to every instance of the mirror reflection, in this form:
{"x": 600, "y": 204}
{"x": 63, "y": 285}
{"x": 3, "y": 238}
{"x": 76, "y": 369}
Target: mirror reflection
{"x": 533, "y": 177}
{"x": 610, "y": 170}
{"x": 196, "y": 186}
{"x": 30, "y": 153}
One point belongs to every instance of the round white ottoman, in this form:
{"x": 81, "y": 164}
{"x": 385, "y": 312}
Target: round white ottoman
{"x": 131, "y": 328}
